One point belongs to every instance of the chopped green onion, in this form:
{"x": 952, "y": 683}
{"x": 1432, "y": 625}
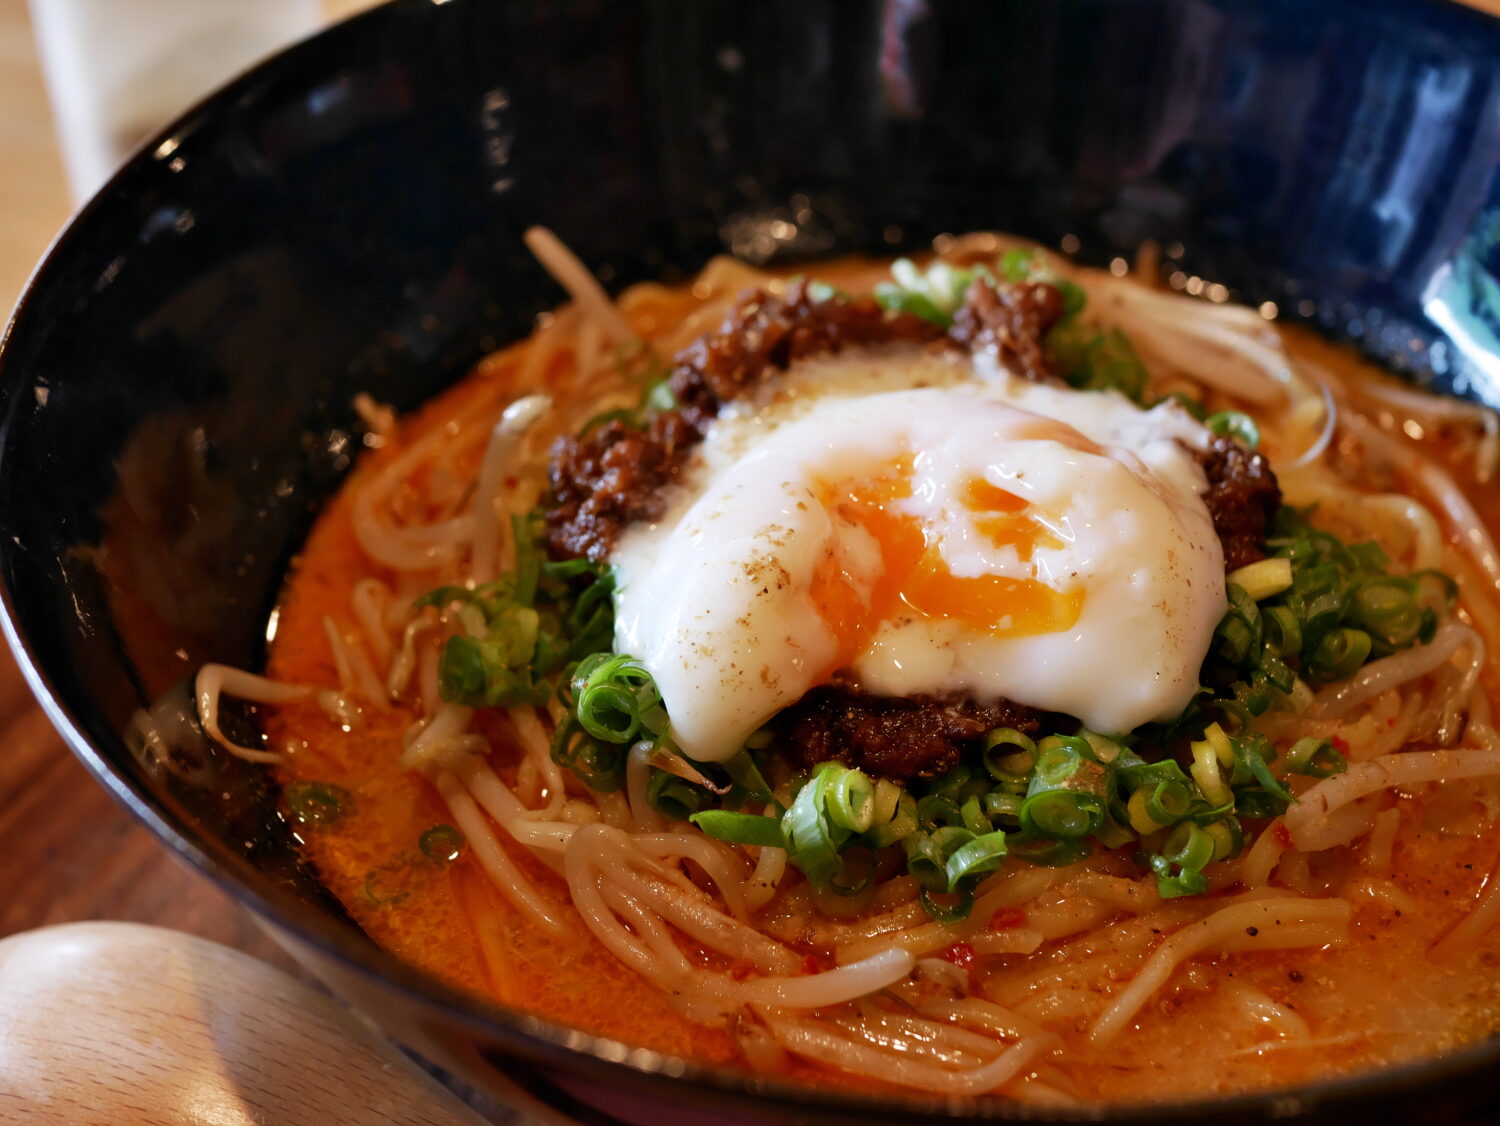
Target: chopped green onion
{"x": 955, "y": 911}
{"x": 745, "y": 773}
{"x": 1092, "y": 358}
{"x": 934, "y": 296}
{"x": 317, "y": 803}
{"x": 811, "y": 841}
{"x": 975, "y": 859}
{"x": 1171, "y": 883}
{"x": 926, "y": 858}
{"x": 660, "y": 397}
{"x": 885, "y": 800}
{"x": 740, "y": 828}
{"x": 1340, "y": 654}
{"x": 1140, "y": 817}
{"x": 952, "y": 784}
{"x": 901, "y": 823}
{"x": 1252, "y": 753}
{"x": 937, "y": 811}
{"x": 821, "y": 823}
{"x": 974, "y": 817}
{"x": 999, "y": 805}
{"x": 528, "y": 575}
{"x": 599, "y": 765}
{"x": 1076, "y": 746}
{"x": 1262, "y": 579}
{"x": 1315, "y": 758}
{"x": 1139, "y": 774}
{"x": 1008, "y": 754}
{"x": 1179, "y": 866}
{"x": 1300, "y": 698}
{"x": 858, "y": 872}
{"x": 1240, "y": 631}
{"x": 1283, "y": 633}
{"x": 1111, "y": 834}
{"x": 442, "y": 843}
{"x": 1386, "y": 607}
{"x": 1255, "y": 802}
{"x": 1048, "y": 853}
{"x": 1340, "y": 609}
{"x": 897, "y": 300}
{"x": 1018, "y": 263}
{"x": 604, "y": 418}
{"x": 1066, "y": 796}
{"x": 1204, "y": 814}
{"x": 1168, "y": 802}
{"x": 616, "y": 700}
{"x": 1189, "y": 846}
{"x": 1105, "y": 749}
{"x": 1228, "y": 837}
{"x": 1216, "y": 738}
{"x": 387, "y": 884}
{"x": 675, "y": 798}
{"x": 1434, "y": 590}
{"x": 1205, "y": 771}
{"x": 850, "y": 800}
{"x": 1236, "y": 426}
{"x": 1065, "y": 814}
{"x": 519, "y": 632}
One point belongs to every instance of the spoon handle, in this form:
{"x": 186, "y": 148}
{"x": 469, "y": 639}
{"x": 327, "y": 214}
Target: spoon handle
{"x": 127, "y": 1024}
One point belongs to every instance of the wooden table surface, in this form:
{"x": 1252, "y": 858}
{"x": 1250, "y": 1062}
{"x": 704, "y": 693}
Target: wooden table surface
{"x": 67, "y": 850}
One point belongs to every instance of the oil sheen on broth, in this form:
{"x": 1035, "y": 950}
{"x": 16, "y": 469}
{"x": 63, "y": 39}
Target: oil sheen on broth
{"x": 939, "y": 523}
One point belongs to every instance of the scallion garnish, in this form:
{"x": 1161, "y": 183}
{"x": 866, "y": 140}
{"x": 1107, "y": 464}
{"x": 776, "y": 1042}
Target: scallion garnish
{"x": 1236, "y": 426}
{"x": 1008, "y": 754}
{"x": 740, "y": 828}
{"x": 532, "y": 622}
{"x": 1262, "y": 579}
{"x": 676, "y": 798}
{"x": 1315, "y": 758}
{"x": 317, "y": 803}
{"x": 442, "y": 843}
{"x": 616, "y": 700}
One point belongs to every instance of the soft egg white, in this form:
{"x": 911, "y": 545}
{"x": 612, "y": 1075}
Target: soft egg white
{"x": 934, "y": 525}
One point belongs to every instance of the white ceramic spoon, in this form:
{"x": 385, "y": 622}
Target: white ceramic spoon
{"x": 116, "y": 1024}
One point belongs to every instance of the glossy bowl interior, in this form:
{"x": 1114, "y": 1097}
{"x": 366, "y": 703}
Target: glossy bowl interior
{"x": 175, "y": 385}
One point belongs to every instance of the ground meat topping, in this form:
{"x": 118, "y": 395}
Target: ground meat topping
{"x": 767, "y": 334}
{"x": 611, "y": 477}
{"x": 1242, "y": 498}
{"x": 899, "y": 738}
{"x": 1012, "y": 321}
{"x": 616, "y": 474}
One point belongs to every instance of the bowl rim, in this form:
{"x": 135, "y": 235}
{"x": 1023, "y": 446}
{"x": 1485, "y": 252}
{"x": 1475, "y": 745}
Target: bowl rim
{"x": 587, "y": 1055}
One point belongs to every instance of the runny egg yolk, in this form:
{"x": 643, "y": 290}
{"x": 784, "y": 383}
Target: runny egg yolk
{"x": 916, "y": 581}
{"x": 1007, "y": 520}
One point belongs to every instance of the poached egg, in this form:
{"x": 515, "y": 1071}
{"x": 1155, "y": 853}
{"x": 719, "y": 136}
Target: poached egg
{"x": 933, "y": 525}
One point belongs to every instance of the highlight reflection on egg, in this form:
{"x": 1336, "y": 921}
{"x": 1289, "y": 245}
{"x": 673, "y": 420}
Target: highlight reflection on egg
{"x": 935, "y": 525}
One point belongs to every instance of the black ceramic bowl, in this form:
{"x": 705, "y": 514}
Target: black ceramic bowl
{"x": 176, "y": 381}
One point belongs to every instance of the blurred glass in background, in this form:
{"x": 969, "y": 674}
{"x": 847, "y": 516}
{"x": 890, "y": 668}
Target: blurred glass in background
{"x": 117, "y": 70}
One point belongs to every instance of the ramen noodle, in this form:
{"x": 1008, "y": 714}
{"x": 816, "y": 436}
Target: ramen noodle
{"x": 983, "y": 676}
